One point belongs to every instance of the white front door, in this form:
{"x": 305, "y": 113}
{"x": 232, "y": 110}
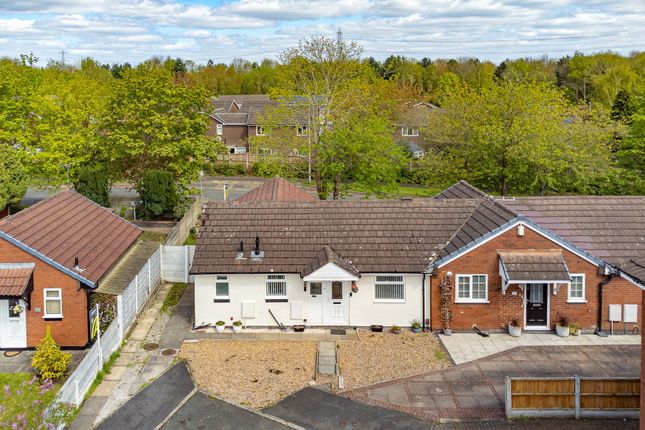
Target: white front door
{"x": 335, "y": 295}
{"x": 316, "y": 301}
{"x": 13, "y": 325}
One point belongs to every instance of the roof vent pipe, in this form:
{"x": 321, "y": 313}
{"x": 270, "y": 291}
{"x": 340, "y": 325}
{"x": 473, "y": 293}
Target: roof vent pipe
{"x": 257, "y": 254}
{"x": 77, "y": 267}
{"x": 240, "y": 252}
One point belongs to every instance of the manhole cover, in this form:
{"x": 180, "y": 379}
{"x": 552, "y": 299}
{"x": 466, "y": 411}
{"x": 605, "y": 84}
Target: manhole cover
{"x": 150, "y": 346}
{"x": 169, "y": 351}
{"x": 339, "y": 331}
{"x": 11, "y": 353}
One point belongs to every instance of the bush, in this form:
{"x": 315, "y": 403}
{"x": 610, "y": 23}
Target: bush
{"x": 94, "y": 183}
{"x": 49, "y": 360}
{"x": 227, "y": 169}
{"x": 159, "y": 192}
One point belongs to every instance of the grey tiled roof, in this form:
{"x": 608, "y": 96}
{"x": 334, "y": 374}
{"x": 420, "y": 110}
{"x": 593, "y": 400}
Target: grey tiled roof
{"x": 328, "y": 255}
{"x": 534, "y": 265}
{"x": 461, "y": 190}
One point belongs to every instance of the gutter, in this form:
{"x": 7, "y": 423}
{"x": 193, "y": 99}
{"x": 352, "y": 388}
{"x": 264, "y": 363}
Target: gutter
{"x": 423, "y": 302}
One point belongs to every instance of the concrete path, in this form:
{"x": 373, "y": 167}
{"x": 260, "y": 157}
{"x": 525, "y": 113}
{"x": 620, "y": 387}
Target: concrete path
{"x": 22, "y": 361}
{"x": 315, "y": 334}
{"x": 465, "y": 347}
{"x": 475, "y": 390}
{"x": 315, "y": 409}
{"x": 327, "y": 358}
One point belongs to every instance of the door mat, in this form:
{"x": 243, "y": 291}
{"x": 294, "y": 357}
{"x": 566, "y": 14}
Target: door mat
{"x": 338, "y": 331}
{"x": 11, "y": 353}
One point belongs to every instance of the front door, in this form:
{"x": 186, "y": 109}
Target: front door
{"x": 316, "y": 303}
{"x": 537, "y": 298}
{"x": 13, "y": 324}
{"x": 335, "y": 296}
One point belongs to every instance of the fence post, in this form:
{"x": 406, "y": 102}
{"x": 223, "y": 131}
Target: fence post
{"x": 161, "y": 262}
{"x": 577, "y": 391}
{"x": 186, "y": 263}
{"x": 76, "y": 399}
{"x": 119, "y": 316}
{"x": 136, "y": 294}
{"x": 508, "y": 404}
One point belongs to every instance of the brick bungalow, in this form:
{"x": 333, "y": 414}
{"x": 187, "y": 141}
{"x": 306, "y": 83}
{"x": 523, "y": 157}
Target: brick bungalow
{"x": 52, "y": 255}
{"x": 357, "y": 263}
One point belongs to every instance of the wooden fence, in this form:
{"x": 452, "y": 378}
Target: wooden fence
{"x": 577, "y": 397}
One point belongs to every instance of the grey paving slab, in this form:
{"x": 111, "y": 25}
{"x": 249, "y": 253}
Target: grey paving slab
{"x": 540, "y": 424}
{"x": 91, "y": 408}
{"x": 318, "y": 410}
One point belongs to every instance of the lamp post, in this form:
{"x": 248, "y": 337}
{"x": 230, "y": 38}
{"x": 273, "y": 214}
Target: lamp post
{"x": 201, "y": 183}
{"x": 133, "y": 205}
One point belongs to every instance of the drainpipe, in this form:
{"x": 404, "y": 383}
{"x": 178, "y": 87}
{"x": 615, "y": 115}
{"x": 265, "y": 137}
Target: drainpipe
{"x": 600, "y": 286}
{"x": 423, "y": 302}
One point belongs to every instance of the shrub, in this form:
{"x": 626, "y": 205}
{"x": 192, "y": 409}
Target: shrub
{"x": 93, "y": 182}
{"x": 49, "y": 360}
{"x": 159, "y": 192}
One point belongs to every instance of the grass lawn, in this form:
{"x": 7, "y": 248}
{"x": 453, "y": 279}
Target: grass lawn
{"x": 173, "y": 296}
{"x": 14, "y": 380}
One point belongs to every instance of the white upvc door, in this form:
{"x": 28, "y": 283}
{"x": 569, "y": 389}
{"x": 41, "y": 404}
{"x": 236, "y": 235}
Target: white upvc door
{"x": 13, "y": 326}
{"x": 316, "y": 303}
{"x": 335, "y": 296}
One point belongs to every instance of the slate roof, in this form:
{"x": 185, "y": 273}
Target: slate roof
{"x": 249, "y": 109}
{"x": 377, "y": 236}
{"x": 68, "y": 225}
{"x": 461, "y": 190}
{"x": 325, "y": 256}
{"x": 277, "y": 189}
{"x": 15, "y": 278}
{"x": 534, "y": 265}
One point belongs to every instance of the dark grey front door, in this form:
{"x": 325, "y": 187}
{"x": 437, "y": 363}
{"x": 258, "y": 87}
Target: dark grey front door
{"x": 536, "y": 304}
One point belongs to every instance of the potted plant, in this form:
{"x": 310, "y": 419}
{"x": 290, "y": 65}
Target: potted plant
{"x": 574, "y": 329}
{"x": 376, "y": 328}
{"x": 237, "y": 326}
{"x": 446, "y": 303}
{"x": 220, "y": 326}
{"x": 396, "y": 329}
{"x": 514, "y": 328}
{"x": 562, "y": 326}
{"x": 416, "y": 326}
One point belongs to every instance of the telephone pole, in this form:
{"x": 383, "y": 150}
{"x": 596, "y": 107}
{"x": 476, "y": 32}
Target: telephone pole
{"x": 339, "y": 35}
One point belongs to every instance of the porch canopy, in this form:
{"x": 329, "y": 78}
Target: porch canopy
{"x": 327, "y": 265}
{"x": 16, "y": 279}
{"x": 532, "y": 267}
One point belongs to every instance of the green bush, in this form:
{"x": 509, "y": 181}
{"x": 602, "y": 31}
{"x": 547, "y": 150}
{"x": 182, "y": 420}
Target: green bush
{"x": 226, "y": 169}
{"x": 48, "y": 360}
{"x": 93, "y": 182}
{"x": 159, "y": 192}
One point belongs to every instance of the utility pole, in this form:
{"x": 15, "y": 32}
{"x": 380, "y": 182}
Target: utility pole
{"x": 339, "y": 36}
{"x": 62, "y": 56}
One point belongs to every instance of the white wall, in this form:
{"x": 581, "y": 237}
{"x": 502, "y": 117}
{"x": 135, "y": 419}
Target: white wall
{"x": 363, "y": 311}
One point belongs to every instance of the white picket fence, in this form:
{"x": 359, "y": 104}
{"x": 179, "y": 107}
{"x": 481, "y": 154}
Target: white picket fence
{"x": 129, "y": 305}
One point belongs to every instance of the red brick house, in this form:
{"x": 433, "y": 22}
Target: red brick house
{"x": 52, "y": 255}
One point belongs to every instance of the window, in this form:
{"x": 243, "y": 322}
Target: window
{"x": 239, "y": 150}
{"x": 219, "y": 129}
{"x": 221, "y": 287}
{"x": 536, "y": 293}
{"x": 53, "y": 303}
{"x": 302, "y": 130}
{"x": 389, "y": 288}
{"x": 577, "y": 288}
{"x": 12, "y": 308}
{"x": 315, "y": 288}
{"x": 259, "y": 130}
{"x": 276, "y": 287}
{"x": 472, "y": 288}
{"x": 409, "y": 131}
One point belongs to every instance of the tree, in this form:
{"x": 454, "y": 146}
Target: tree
{"x": 13, "y": 177}
{"x": 623, "y": 108}
{"x": 93, "y": 182}
{"x": 154, "y": 122}
{"x": 48, "y": 360}
{"x": 631, "y": 152}
{"x": 159, "y": 192}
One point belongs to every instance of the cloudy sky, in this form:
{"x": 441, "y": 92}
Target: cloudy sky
{"x": 133, "y": 30}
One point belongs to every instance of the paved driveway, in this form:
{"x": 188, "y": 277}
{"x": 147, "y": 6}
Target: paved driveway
{"x": 475, "y": 390}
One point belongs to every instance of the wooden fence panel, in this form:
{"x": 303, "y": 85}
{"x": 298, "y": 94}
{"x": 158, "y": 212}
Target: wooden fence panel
{"x": 609, "y": 394}
{"x": 543, "y": 394}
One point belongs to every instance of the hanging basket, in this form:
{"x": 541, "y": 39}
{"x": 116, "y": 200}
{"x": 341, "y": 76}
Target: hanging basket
{"x": 354, "y": 287}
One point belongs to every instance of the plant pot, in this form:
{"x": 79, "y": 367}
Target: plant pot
{"x": 416, "y": 329}
{"x": 447, "y": 331}
{"x": 562, "y": 331}
{"x": 396, "y": 331}
{"x": 376, "y": 328}
{"x": 220, "y": 328}
{"x": 298, "y": 328}
{"x": 514, "y": 331}
{"x": 237, "y": 328}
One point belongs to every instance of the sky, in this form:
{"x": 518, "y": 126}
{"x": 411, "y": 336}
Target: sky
{"x": 134, "y": 30}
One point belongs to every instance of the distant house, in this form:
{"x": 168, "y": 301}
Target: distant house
{"x": 410, "y": 125}
{"x": 277, "y": 189}
{"x": 358, "y": 263}
{"x": 52, "y": 255}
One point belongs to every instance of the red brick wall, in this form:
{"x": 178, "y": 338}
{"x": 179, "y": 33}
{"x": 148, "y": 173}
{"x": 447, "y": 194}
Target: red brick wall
{"x": 72, "y": 330}
{"x": 501, "y": 308}
{"x": 620, "y": 291}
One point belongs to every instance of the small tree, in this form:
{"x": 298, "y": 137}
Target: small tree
{"x": 159, "y": 192}
{"x": 93, "y": 182}
{"x": 49, "y": 360}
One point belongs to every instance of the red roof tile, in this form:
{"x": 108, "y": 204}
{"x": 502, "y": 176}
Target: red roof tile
{"x": 277, "y": 189}
{"x": 69, "y": 225}
{"x": 14, "y": 278}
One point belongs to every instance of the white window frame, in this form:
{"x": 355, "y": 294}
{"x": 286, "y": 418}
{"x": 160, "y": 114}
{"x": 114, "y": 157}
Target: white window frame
{"x": 259, "y": 130}
{"x": 409, "y": 131}
{"x": 239, "y": 150}
{"x": 222, "y": 279}
{"x": 46, "y": 299}
{"x": 219, "y": 129}
{"x": 266, "y": 287}
{"x": 377, "y": 283}
{"x": 582, "y": 299}
{"x": 469, "y": 299}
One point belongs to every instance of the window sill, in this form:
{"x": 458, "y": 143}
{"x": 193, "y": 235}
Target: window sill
{"x": 53, "y": 317}
{"x": 576, "y": 301}
{"x": 221, "y": 300}
{"x": 276, "y": 300}
{"x": 388, "y": 301}
{"x": 471, "y": 302}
